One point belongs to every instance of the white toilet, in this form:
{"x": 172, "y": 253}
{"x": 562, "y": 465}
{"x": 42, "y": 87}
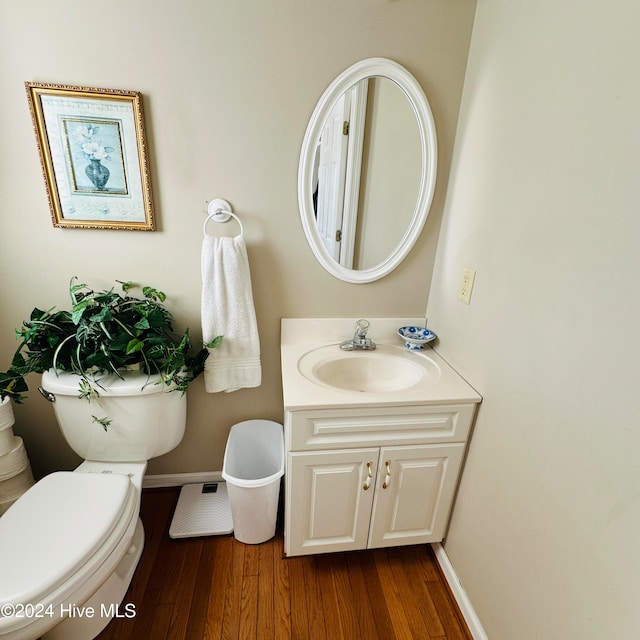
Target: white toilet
{"x": 70, "y": 544}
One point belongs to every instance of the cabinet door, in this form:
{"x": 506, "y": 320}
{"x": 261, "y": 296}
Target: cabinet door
{"x": 414, "y": 493}
{"x": 328, "y": 500}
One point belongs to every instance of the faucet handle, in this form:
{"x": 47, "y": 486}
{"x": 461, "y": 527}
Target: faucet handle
{"x": 362, "y": 326}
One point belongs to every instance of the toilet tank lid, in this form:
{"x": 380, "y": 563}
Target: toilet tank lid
{"x": 55, "y": 527}
{"x": 132, "y": 383}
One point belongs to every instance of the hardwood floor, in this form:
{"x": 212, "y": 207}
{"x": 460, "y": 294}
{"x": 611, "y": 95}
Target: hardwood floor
{"x": 218, "y": 588}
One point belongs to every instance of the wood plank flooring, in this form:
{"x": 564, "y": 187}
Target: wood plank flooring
{"x": 217, "y": 588}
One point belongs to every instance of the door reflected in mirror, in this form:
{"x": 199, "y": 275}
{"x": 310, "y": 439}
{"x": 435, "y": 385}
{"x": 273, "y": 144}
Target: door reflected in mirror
{"x": 367, "y": 173}
{"x": 367, "y": 170}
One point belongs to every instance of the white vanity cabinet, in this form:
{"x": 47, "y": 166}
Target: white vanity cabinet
{"x": 361, "y": 477}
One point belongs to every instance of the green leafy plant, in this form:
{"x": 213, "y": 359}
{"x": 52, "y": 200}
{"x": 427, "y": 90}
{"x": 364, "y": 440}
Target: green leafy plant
{"x": 104, "y": 332}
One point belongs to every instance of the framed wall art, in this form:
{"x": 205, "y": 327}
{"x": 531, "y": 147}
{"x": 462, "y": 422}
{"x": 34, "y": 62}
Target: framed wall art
{"x": 94, "y": 156}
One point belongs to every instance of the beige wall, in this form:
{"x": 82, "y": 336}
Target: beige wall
{"x": 544, "y": 203}
{"x": 228, "y": 88}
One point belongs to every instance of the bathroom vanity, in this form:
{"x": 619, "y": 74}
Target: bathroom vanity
{"x": 374, "y": 440}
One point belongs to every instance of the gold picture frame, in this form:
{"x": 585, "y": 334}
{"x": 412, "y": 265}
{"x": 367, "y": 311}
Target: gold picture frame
{"x": 93, "y": 153}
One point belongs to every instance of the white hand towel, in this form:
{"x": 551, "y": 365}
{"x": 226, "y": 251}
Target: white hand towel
{"x": 227, "y": 310}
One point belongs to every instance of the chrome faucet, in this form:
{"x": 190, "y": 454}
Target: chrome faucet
{"x": 360, "y": 341}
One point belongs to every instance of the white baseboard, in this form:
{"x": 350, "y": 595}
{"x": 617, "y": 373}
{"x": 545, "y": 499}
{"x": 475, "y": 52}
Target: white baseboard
{"x": 466, "y": 608}
{"x": 180, "y": 479}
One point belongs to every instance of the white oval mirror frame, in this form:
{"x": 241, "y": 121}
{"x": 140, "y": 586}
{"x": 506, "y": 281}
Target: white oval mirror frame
{"x": 371, "y": 67}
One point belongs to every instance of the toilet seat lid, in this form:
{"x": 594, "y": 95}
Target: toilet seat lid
{"x": 55, "y": 527}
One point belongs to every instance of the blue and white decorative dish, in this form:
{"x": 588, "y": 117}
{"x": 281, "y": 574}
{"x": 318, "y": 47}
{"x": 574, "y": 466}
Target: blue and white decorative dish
{"x": 415, "y": 338}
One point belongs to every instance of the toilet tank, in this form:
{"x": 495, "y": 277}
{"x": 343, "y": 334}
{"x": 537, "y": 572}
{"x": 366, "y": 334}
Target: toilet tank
{"x": 131, "y": 420}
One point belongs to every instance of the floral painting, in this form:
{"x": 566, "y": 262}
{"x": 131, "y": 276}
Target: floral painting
{"x": 93, "y": 154}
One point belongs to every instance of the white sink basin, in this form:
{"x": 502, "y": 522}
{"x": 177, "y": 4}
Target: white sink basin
{"x": 386, "y": 369}
{"x": 317, "y": 374}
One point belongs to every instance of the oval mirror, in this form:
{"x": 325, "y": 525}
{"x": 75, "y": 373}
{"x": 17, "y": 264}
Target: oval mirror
{"x": 367, "y": 170}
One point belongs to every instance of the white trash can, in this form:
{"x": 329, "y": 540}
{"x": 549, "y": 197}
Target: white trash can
{"x": 253, "y": 466}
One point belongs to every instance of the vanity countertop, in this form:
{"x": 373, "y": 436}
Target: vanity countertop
{"x": 303, "y": 336}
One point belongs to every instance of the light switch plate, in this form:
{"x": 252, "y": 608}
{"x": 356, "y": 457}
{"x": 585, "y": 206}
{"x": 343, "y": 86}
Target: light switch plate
{"x": 466, "y": 285}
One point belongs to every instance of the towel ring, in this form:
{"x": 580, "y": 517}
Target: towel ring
{"x": 219, "y": 210}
